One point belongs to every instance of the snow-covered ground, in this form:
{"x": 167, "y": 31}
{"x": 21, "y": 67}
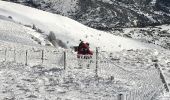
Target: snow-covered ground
{"x": 133, "y": 74}
{"x": 133, "y": 71}
{"x": 137, "y": 81}
{"x": 43, "y": 83}
{"x": 12, "y": 32}
{"x": 139, "y": 61}
{"x": 68, "y": 30}
{"x": 158, "y": 35}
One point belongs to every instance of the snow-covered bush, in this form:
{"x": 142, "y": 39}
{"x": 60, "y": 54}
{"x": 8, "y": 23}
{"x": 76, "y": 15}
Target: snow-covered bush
{"x": 10, "y": 17}
{"x": 56, "y": 42}
{"x": 37, "y": 29}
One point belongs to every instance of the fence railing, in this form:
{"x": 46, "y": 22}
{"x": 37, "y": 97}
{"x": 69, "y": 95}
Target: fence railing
{"x": 101, "y": 64}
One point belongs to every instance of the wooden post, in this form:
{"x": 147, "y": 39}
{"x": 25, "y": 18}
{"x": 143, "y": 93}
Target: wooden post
{"x": 5, "y": 54}
{"x": 120, "y": 97}
{"x": 96, "y": 70}
{"x": 14, "y": 56}
{"x": 65, "y": 60}
{"x": 26, "y": 56}
{"x": 111, "y": 78}
{"x": 42, "y": 58}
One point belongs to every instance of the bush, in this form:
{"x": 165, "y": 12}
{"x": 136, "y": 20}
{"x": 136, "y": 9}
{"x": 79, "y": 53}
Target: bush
{"x": 51, "y": 36}
{"x": 10, "y": 17}
{"x": 37, "y": 29}
{"x": 34, "y": 27}
{"x": 56, "y": 42}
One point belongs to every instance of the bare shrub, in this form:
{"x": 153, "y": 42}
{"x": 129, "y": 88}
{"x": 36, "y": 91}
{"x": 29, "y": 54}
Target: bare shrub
{"x": 56, "y": 42}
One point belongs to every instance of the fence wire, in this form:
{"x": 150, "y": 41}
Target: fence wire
{"x": 53, "y": 58}
{"x": 144, "y": 78}
{"x": 134, "y": 68}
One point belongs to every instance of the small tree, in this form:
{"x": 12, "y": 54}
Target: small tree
{"x": 56, "y": 42}
{"x": 34, "y": 27}
{"x": 10, "y": 17}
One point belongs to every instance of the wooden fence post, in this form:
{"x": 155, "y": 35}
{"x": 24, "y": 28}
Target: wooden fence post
{"x": 14, "y": 56}
{"x": 97, "y": 55}
{"x": 120, "y": 97}
{"x": 26, "y": 56}
{"x": 5, "y": 54}
{"x": 65, "y": 60}
{"x": 42, "y": 58}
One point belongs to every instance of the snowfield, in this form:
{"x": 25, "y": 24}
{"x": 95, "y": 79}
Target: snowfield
{"x": 12, "y": 32}
{"x": 40, "y": 82}
{"x": 158, "y": 35}
{"x": 32, "y": 71}
{"x": 68, "y": 30}
{"x": 43, "y": 83}
{"x": 133, "y": 72}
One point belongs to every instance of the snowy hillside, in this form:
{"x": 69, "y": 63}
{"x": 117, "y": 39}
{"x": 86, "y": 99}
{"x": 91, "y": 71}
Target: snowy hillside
{"x": 106, "y": 14}
{"x": 68, "y": 30}
{"x": 159, "y": 35}
{"x": 15, "y": 33}
{"x": 139, "y": 80}
{"x": 32, "y": 70}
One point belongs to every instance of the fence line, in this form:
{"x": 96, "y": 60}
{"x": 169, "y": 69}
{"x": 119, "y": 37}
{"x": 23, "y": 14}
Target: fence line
{"x": 67, "y": 60}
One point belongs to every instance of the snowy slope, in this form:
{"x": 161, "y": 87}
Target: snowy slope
{"x": 159, "y": 35}
{"x": 106, "y": 14}
{"x": 16, "y": 33}
{"x": 67, "y": 30}
{"x": 39, "y": 82}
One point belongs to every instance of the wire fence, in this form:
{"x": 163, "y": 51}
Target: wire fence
{"x": 146, "y": 81}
